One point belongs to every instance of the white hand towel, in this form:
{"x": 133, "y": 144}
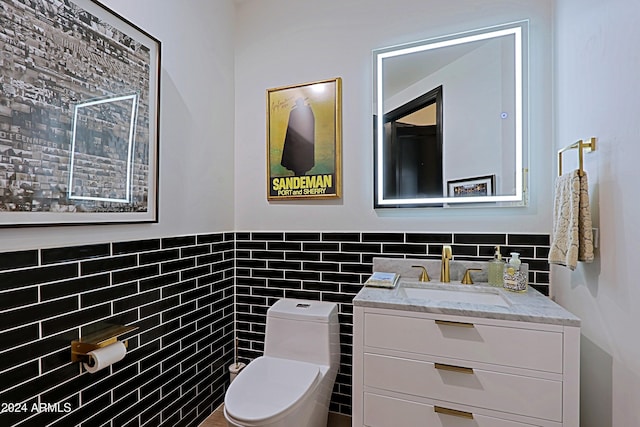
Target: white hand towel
{"x": 572, "y": 227}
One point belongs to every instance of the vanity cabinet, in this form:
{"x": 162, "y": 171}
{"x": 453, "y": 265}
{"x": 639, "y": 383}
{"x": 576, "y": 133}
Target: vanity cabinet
{"x": 414, "y": 368}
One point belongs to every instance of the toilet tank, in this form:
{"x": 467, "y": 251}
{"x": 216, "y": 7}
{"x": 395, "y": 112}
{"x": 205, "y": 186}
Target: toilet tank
{"x": 303, "y": 330}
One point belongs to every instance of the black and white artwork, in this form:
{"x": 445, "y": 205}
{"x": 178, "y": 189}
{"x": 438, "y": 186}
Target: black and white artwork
{"x": 78, "y": 115}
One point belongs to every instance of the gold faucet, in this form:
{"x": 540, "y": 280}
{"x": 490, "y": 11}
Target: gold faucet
{"x": 424, "y": 276}
{"x": 445, "y": 277}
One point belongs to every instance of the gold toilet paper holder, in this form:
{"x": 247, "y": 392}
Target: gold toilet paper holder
{"x": 80, "y": 348}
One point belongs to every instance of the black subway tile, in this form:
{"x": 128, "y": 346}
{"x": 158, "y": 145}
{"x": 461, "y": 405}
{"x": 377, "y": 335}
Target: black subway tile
{"x": 108, "y": 264}
{"x": 463, "y": 250}
{"x": 18, "y": 298}
{"x": 34, "y": 313}
{"x": 35, "y": 276}
{"x": 268, "y": 255}
{"x": 341, "y": 277}
{"x": 107, "y": 294}
{"x": 159, "y": 256}
{"x": 136, "y": 301}
{"x": 17, "y": 355}
{"x": 530, "y": 239}
{"x": 408, "y": 249}
{"x": 176, "y": 242}
{"x": 203, "y": 239}
{"x": 40, "y": 384}
{"x": 383, "y": 237}
{"x": 74, "y": 253}
{"x": 341, "y": 257}
{"x": 341, "y": 298}
{"x": 250, "y": 281}
{"x": 356, "y": 268}
{"x": 159, "y": 281}
{"x": 286, "y": 284}
{"x": 341, "y": 237}
{"x": 307, "y": 295}
{"x": 321, "y": 266}
{"x": 542, "y": 252}
{"x": 195, "y": 272}
{"x": 302, "y": 256}
{"x": 122, "y": 248}
{"x": 19, "y": 374}
{"x": 18, "y": 259}
{"x": 284, "y": 246}
{"x": 135, "y": 274}
{"x": 209, "y": 258}
{"x": 178, "y": 288}
{"x": 362, "y": 247}
{"x": 178, "y": 265}
{"x": 74, "y": 286}
{"x": 321, "y": 247}
{"x": 480, "y": 239}
{"x": 267, "y": 274}
{"x": 224, "y": 246}
{"x": 251, "y": 245}
{"x": 269, "y": 292}
{"x": 302, "y": 275}
{"x": 444, "y": 238}
{"x": 159, "y": 306}
{"x": 284, "y": 265}
{"x": 267, "y": 236}
{"x": 15, "y": 337}
{"x": 195, "y": 251}
{"x": 77, "y": 318}
{"x": 302, "y": 237}
{"x": 241, "y": 235}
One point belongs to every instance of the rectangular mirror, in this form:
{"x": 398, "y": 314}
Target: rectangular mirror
{"x": 450, "y": 120}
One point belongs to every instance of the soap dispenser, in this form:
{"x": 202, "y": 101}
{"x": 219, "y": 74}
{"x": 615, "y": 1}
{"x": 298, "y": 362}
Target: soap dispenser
{"x": 515, "y": 278}
{"x": 496, "y": 268}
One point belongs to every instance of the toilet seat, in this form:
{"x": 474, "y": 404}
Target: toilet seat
{"x": 269, "y": 389}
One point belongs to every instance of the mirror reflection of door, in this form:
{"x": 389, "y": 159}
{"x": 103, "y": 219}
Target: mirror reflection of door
{"x": 413, "y": 148}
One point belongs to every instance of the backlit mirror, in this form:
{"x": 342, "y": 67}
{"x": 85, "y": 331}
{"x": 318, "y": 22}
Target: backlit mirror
{"x": 450, "y": 118}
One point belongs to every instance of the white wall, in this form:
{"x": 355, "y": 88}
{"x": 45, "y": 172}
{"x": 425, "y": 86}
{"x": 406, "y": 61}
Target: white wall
{"x": 283, "y": 42}
{"x": 596, "y": 65}
{"x": 196, "y": 126}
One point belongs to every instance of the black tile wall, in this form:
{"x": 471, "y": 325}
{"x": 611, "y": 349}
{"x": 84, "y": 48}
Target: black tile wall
{"x": 332, "y": 266}
{"x": 179, "y": 291}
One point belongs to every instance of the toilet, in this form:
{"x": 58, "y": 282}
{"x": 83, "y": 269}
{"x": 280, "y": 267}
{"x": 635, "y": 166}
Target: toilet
{"x": 291, "y": 384}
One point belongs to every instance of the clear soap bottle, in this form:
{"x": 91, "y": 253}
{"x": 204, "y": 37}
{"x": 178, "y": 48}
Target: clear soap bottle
{"x": 496, "y": 268}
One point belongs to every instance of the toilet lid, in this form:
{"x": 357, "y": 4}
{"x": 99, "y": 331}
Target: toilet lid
{"x": 268, "y": 387}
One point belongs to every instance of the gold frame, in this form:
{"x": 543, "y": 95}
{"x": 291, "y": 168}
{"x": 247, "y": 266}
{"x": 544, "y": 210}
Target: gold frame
{"x": 306, "y": 164}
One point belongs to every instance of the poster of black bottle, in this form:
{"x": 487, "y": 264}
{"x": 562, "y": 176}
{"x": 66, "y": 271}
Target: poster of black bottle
{"x": 304, "y": 141}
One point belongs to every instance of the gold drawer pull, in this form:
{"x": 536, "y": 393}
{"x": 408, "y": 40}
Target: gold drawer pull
{"x": 449, "y": 323}
{"x": 453, "y": 368}
{"x": 455, "y": 413}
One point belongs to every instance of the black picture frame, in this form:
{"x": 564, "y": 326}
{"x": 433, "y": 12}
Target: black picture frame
{"x": 79, "y": 116}
{"x": 472, "y": 187}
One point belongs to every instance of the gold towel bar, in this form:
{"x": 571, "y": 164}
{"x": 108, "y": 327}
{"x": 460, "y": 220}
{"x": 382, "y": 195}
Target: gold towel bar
{"x": 581, "y": 146}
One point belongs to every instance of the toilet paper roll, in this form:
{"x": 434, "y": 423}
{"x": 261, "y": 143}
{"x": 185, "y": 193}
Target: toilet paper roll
{"x": 105, "y": 356}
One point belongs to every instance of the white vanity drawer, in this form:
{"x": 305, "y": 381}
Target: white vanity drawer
{"x": 527, "y": 396}
{"x": 384, "y": 411}
{"x": 499, "y": 345}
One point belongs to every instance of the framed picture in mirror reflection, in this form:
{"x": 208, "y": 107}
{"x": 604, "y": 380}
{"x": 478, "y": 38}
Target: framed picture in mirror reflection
{"x": 472, "y": 187}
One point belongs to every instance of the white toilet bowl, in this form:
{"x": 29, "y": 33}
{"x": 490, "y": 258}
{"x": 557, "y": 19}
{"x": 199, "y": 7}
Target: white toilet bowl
{"x": 291, "y": 385}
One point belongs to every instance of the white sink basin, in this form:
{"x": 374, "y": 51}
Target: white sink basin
{"x": 486, "y": 296}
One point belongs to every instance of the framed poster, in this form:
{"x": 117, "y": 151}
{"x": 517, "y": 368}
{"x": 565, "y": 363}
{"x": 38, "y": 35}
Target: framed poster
{"x": 472, "y": 187}
{"x": 79, "y": 108}
{"x": 304, "y": 128}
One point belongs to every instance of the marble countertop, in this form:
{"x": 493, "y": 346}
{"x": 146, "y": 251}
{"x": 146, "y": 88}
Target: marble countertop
{"x": 530, "y": 306}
